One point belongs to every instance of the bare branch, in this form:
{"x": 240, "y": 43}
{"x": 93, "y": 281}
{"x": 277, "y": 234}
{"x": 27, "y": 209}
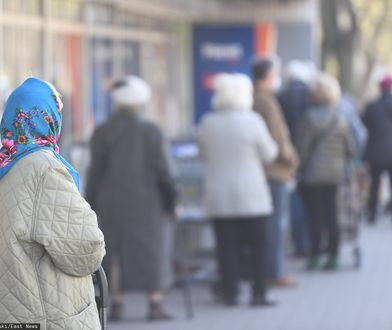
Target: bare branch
{"x": 383, "y": 19}
{"x": 353, "y": 15}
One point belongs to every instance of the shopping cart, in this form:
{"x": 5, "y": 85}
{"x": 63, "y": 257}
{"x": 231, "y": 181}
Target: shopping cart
{"x": 350, "y": 215}
{"x": 101, "y": 295}
{"x": 194, "y": 250}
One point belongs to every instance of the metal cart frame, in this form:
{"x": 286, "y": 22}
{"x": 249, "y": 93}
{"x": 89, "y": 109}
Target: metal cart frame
{"x": 102, "y": 298}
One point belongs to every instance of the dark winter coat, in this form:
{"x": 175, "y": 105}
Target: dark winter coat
{"x": 378, "y": 120}
{"x": 295, "y": 99}
{"x": 130, "y": 187}
{"x": 324, "y": 145}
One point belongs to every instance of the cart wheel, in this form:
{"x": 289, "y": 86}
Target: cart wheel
{"x": 357, "y": 257}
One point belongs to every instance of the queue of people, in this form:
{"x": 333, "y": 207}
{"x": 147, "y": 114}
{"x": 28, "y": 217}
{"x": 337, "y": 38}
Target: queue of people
{"x": 269, "y": 156}
{"x": 320, "y": 142}
{"x": 272, "y": 158}
{"x": 234, "y": 193}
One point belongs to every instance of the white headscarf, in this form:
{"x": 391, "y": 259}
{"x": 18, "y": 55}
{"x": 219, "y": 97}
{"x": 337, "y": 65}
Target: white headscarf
{"x": 131, "y": 91}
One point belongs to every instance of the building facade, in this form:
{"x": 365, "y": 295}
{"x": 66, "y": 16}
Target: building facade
{"x": 83, "y": 45}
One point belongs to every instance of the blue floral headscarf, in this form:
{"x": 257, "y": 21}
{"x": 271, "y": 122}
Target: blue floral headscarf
{"x": 31, "y": 122}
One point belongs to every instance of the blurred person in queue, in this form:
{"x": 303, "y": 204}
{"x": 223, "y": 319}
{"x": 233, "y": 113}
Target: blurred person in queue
{"x": 50, "y": 241}
{"x": 324, "y": 146}
{"x": 295, "y": 96}
{"x": 281, "y": 171}
{"x": 131, "y": 189}
{"x": 295, "y": 99}
{"x": 235, "y": 145}
{"x": 350, "y": 201}
{"x": 378, "y": 154}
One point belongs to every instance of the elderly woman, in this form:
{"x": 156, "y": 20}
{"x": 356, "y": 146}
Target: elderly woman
{"x": 324, "y": 146}
{"x": 50, "y": 241}
{"x": 235, "y": 145}
{"x": 131, "y": 188}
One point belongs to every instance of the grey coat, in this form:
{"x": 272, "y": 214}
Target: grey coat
{"x": 324, "y": 146}
{"x": 130, "y": 187}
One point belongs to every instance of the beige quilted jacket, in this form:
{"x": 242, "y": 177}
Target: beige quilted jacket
{"x": 50, "y": 244}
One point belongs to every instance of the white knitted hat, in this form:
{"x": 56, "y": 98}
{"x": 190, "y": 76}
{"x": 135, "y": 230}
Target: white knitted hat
{"x": 131, "y": 91}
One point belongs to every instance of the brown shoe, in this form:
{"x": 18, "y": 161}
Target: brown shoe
{"x": 157, "y": 313}
{"x": 284, "y": 282}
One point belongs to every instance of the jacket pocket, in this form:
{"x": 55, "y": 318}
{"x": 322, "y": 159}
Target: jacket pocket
{"x": 87, "y": 319}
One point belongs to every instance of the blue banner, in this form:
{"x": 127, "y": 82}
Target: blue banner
{"x": 218, "y": 49}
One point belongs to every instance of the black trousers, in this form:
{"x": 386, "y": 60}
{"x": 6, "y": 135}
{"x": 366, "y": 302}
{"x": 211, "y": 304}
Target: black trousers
{"x": 321, "y": 203}
{"x": 376, "y": 173}
{"x": 233, "y": 238}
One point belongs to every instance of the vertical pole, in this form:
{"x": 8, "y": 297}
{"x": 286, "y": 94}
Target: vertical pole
{"x": 117, "y": 50}
{"x": 3, "y": 78}
{"x": 1, "y": 39}
{"x": 47, "y": 59}
{"x": 86, "y": 68}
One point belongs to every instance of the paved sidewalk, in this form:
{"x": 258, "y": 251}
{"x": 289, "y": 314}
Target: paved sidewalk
{"x": 346, "y": 300}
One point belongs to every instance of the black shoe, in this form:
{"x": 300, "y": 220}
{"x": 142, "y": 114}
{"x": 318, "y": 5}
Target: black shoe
{"x": 116, "y": 312}
{"x": 261, "y": 301}
{"x": 157, "y": 313}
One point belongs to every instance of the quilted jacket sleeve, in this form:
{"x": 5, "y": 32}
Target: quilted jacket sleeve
{"x": 66, "y": 226}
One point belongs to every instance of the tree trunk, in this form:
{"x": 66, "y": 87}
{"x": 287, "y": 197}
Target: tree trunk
{"x": 339, "y": 43}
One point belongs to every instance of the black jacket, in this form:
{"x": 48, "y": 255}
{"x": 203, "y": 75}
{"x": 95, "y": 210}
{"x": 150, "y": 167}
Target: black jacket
{"x": 294, "y": 99}
{"x": 378, "y": 120}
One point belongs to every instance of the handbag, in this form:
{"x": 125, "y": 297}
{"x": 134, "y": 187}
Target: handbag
{"x": 322, "y": 135}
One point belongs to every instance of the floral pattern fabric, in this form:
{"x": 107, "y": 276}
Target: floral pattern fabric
{"x": 31, "y": 122}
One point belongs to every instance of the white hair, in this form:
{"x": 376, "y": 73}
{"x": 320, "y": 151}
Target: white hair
{"x": 326, "y": 89}
{"x": 232, "y": 91}
{"x": 131, "y": 91}
{"x": 300, "y": 70}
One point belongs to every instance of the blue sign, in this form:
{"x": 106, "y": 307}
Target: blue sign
{"x": 218, "y": 49}
{"x": 102, "y": 66}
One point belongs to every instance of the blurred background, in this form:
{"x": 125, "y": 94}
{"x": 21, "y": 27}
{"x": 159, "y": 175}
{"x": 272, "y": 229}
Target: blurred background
{"x": 178, "y": 47}
{"x": 82, "y": 46}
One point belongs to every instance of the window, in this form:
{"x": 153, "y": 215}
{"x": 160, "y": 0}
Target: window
{"x": 130, "y": 58}
{"x": 67, "y": 9}
{"x": 22, "y": 58}
{"x": 98, "y": 13}
{"x": 31, "y": 7}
